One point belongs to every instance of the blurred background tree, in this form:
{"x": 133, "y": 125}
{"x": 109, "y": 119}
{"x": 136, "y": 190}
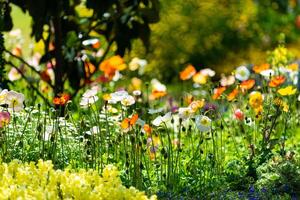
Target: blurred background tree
{"x": 65, "y": 30}
{"x": 220, "y": 34}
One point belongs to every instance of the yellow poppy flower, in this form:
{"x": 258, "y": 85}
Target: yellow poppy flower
{"x": 289, "y": 90}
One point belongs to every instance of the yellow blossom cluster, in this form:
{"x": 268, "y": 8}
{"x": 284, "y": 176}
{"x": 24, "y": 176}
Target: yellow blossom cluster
{"x": 40, "y": 181}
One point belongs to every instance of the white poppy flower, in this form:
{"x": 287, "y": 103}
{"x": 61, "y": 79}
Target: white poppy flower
{"x": 267, "y": 73}
{"x": 157, "y": 86}
{"x": 185, "y": 113}
{"x": 160, "y": 119}
{"x": 242, "y": 73}
{"x": 203, "y": 123}
{"x": 208, "y": 72}
{"x": 3, "y": 95}
{"x": 118, "y": 96}
{"x": 14, "y": 75}
{"x": 89, "y": 97}
{"x": 136, "y": 92}
{"x": 128, "y": 100}
{"x": 136, "y": 63}
{"x": 15, "y": 101}
{"x": 86, "y": 101}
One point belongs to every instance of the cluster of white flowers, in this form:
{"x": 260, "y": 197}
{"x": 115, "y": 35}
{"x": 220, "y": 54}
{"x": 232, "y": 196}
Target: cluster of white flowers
{"x": 12, "y": 99}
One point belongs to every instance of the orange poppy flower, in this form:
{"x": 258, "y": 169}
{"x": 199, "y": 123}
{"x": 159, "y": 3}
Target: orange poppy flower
{"x": 96, "y": 45}
{"x": 248, "y": 84}
{"x": 129, "y": 122}
{"x": 62, "y": 99}
{"x": 148, "y": 130}
{"x": 89, "y": 69}
{"x": 232, "y": 95}
{"x": 157, "y": 94}
{"x": 218, "y": 92}
{"x": 111, "y": 65}
{"x": 188, "y": 72}
{"x": 276, "y": 81}
{"x": 259, "y": 68}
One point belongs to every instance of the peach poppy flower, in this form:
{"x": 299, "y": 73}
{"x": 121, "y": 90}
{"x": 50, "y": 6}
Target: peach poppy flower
{"x": 277, "y": 81}
{"x": 232, "y": 95}
{"x": 248, "y": 84}
{"x": 259, "y": 68}
{"x": 218, "y": 92}
{"x": 188, "y": 72}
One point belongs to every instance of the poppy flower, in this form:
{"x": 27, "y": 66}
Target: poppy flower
{"x": 227, "y": 81}
{"x": 282, "y": 104}
{"x": 14, "y": 100}
{"x": 277, "y": 81}
{"x": 61, "y": 99}
{"x": 196, "y": 105}
{"x": 200, "y": 78}
{"x": 187, "y": 73}
{"x": 218, "y": 92}
{"x": 14, "y": 74}
{"x": 259, "y": 68}
{"x": 242, "y": 73}
{"x": 239, "y": 115}
{"x": 248, "y": 84}
{"x": 293, "y": 67}
{"x": 147, "y": 129}
{"x": 185, "y": 113}
{"x": 232, "y": 95}
{"x": 162, "y": 119}
{"x": 111, "y": 65}
{"x": 4, "y": 118}
{"x": 157, "y": 94}
{"x": 89, "y": 69}
{"x": 203, "y": 123}
{"x": 255, "y": 101}
{"x": 289, "y": 90}
{"x": 127, "y": 123}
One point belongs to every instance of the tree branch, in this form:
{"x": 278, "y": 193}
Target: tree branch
{"x": 26, "y": 63}
{"x": 29, "y": 82}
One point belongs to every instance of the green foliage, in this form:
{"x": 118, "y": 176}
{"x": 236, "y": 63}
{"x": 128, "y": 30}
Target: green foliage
{"x": 281, "y": 174}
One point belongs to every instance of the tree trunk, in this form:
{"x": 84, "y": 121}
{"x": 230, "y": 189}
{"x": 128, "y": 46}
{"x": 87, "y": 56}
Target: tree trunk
{"x": 58, "y": 69}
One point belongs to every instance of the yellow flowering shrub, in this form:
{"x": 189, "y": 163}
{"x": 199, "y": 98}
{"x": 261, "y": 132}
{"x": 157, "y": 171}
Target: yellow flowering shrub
{"x": 41, "y": 181}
